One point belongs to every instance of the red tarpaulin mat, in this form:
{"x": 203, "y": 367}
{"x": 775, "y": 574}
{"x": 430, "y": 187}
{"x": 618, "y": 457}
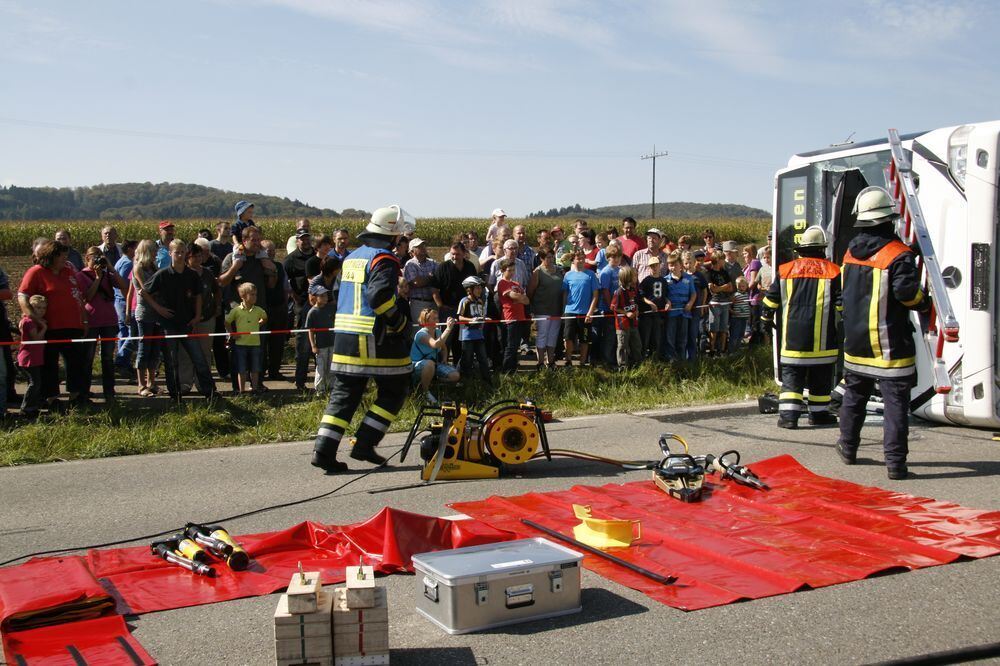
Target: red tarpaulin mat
{"x": 738, "y": 543}
{"x": 105, "y": 640}
{"x": 67, "y": 588}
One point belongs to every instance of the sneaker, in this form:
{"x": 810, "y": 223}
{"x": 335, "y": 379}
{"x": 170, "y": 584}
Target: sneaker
{"x": 848, "y": 458}
{"x": 898, "y": 473}
{"x": 822, "y": 419}
{"x": 430, "y": 399}
{"x": 788, "y": 423}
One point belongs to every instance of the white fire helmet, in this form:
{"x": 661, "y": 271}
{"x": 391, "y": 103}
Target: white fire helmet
{"x": 874, "y": 206}
{"x": 391, "y": 221}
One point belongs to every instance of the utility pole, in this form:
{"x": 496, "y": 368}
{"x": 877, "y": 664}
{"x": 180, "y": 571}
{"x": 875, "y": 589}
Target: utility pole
{"x": 652, "y": 156}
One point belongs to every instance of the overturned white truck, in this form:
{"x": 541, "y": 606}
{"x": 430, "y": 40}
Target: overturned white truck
{"x": 945, "y": 182}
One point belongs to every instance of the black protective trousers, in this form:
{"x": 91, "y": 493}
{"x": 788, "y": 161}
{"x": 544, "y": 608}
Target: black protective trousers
{"x": 896, "y": 402}
{"x": 345, "y": 396}
{"x": 795, "y": 379}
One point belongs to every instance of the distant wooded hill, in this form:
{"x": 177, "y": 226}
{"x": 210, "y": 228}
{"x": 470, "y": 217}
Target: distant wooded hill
{"x": 683, "y": 210}
{"x": 131, "y": 201}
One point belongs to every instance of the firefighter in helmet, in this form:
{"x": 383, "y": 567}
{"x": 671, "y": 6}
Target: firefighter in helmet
{"x": 881, "y": 285}
{"x": 806, "y": 295}
{"x": 370, "y": 343}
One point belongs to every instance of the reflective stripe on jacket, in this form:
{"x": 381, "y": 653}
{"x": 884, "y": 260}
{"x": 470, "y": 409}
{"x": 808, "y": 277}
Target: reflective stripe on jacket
{"x": 879, "y": 290}
{"x": 370, "y": 331}
{"x": 807, "y": 293}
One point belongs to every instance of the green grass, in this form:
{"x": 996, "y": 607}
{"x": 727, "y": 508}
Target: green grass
{"x": 128, "y": 429}
{"x": 16, "y": 237}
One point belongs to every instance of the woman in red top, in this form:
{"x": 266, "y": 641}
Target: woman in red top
{"x": 55, "y": 279}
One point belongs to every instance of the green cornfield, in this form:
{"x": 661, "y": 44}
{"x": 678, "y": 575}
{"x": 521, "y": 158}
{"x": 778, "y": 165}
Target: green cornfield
{"x": 16, "y": 237}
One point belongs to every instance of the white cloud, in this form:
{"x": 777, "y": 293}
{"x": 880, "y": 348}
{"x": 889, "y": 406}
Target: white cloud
{"x": 570, "y": 20}
{"x": 736, "y": 34}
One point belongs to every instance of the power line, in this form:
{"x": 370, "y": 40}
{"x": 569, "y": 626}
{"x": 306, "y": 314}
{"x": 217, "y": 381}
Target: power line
{"x": 696, "y": 158}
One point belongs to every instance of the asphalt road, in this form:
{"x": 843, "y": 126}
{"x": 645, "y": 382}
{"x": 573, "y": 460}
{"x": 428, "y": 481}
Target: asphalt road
{"x": 892, "y": 616}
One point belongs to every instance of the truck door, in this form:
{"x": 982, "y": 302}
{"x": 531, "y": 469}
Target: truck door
{"x": 841, "y": 188}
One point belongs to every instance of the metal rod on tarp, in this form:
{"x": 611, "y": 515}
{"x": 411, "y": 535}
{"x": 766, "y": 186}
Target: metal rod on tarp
{"x": 652, "y": 575}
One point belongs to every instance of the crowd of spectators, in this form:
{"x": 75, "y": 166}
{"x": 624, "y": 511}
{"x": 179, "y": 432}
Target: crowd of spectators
{"x": 578, "y": 296}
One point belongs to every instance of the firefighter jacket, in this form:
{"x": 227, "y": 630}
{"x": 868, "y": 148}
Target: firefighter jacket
{"x": 881, "y": 285}
{"x": 806, "y": 293}
{"x": 370, "y": 330}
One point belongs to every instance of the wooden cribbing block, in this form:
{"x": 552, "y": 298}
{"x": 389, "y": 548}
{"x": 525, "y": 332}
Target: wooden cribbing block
{"x": 373, "y": 659}
{"x": 303, "y": 592}
{"x": 303, "y": 638}
{"x": 360, "y": 631}
{"x": 360, "y": 587}
{"x": 325, "y": 661}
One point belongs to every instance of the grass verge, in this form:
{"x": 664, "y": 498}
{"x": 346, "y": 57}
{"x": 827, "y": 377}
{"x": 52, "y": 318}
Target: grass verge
{"x": 129, "y": 429}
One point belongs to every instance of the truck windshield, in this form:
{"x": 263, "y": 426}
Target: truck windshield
{"x": 806, "y": 194}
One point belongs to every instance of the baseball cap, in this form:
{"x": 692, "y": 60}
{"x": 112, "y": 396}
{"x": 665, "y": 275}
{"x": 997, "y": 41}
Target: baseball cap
{"x": 416, "y": 242}
{"x": 497, "y": 212}
{"x": 303, "y": 233}
{"x": 730, "y": 246}
{"x": 555, "y": 229}
{"x": 699, "y": 254}
{"x": 317, "y": 289}
{"x": 652, "y": 260}
{"x": 166, "y": 224}
{"x": 654, "y": 230}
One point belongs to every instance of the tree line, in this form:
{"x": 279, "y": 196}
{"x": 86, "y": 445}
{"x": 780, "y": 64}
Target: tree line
{"x": 132, "y": 201}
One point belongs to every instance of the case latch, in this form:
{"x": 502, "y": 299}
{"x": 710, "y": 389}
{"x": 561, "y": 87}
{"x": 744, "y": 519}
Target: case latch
{"x": 431, "y": 589}
{"x": 482, "y": 593}
{"x": 555, "y": 581}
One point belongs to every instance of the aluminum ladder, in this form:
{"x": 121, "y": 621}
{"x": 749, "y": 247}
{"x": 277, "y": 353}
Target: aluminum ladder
{"x": 942, "y": 324}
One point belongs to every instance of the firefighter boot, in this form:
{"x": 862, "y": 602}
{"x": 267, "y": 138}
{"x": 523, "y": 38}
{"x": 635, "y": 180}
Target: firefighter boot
{"x": 366, "y": 452}
{"x": 788, "y": 422}
{"x": 898, "y": 472}
{"x": 824, "y": 418}
{"x": 846, "y": 457}
{"x": 325, "y": 457}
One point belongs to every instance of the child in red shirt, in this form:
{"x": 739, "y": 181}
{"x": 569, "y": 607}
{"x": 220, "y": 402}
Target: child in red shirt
{"x": 625, "y": 305}
{"x": 32, "y": 357}
{"x": 512, "y": 302}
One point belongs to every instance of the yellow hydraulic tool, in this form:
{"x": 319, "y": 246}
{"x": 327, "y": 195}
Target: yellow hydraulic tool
{"x": 605, "y": 533}
{"x": 475, "y": 445}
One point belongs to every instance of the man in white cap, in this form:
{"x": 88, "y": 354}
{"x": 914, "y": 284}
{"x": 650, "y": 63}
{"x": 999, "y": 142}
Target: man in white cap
{"x": 419, "y": 275}
{"x": 497, "y": 222}
{"x": 370, "y": 343}
{"x": 640, "y": 260}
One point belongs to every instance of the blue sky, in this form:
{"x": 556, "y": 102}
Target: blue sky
{"x": 454, "y": 108}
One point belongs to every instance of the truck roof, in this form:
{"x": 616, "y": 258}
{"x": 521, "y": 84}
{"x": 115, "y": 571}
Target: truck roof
{"x": 860, "y": 144}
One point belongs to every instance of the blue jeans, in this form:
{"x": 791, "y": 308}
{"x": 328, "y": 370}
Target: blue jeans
{"x": 148, "y": 356}
{"x": 246, "y": 359}
{"x": 694, "y": 334}
{"x": 675, "y": 337}
{"x": 737, "y": 329}
{"x": 125, "y": 348}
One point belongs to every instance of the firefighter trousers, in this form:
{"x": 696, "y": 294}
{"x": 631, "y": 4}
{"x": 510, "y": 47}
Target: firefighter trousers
{"x": 795, "y": 379}
{"x": 896, "y": 424}
{"x": 345, "y": 396}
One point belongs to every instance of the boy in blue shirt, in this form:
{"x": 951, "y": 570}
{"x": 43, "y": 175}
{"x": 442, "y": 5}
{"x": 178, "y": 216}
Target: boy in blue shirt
{"x": 604, "y": 336}
{"x": 580, "y": 292}
{"x": 682, "y": 294}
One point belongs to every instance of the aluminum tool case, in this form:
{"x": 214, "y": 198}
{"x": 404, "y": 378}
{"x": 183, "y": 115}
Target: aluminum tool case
{"x": 481, "y": 587}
